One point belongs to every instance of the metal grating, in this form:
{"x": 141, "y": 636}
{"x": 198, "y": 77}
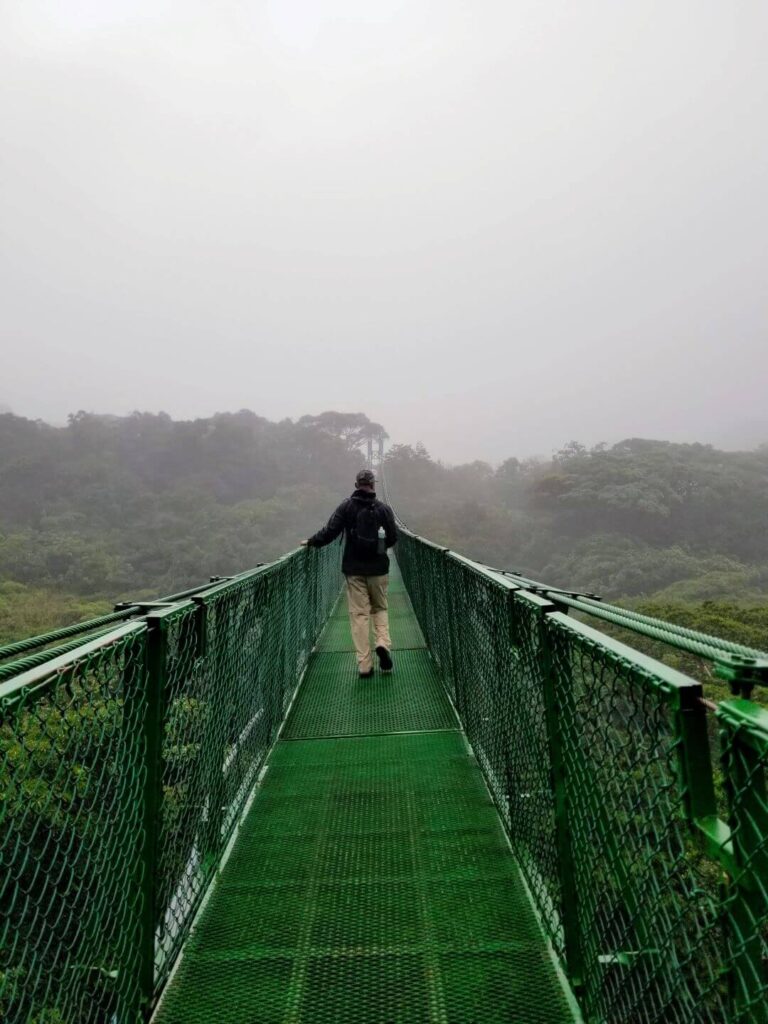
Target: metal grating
{"x": 404, "y": 631}
{"x": 371, "y": 882}
{"x": 334, "y": 701}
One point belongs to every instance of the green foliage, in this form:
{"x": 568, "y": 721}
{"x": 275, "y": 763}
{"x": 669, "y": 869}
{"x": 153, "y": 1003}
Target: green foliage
{"x": 630, "y": 520}
{"x": 113, "y": 507}
{"x": 55, "y": 753}
{"x": 676, "y": 531}
{"x": 661, "y": 493}
{"x": 614, "y": 565}
{"x": 26, "y": 611}
{"x": 109, "y": 507}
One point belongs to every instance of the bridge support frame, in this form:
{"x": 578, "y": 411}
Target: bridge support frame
{"x": 553, "y": 691}
{"x": 152, "y": 729}
{"x": 744, "y": 739}
{"x": 452, "y": 666}
{"x": 153, "y": 718}
{"x": 211, "y": 842}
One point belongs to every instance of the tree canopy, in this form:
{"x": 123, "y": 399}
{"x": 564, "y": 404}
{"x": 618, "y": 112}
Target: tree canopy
{"x": 110, "y": 507}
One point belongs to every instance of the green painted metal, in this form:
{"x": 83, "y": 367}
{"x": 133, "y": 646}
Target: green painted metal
{"x": 742, "y": 667}
{"x": 745, "y": 758}
{"x": 42, "y": 658}
{"x": 671, "y": 630}
{"x": 153, "y": 712}
{"x": 386, "y": 870}
{"x": 110, "y": 753}
{"x": 71, "y": 783}
{"x": 94, "y": 627}
{"x": 100, "y": 624}
{"x": 339, "y": 703}
{"x": 371, "y": 880}
{"x": 599, "y": 756}
{"x": 557, "y": 691}
{"x": 236, "y": 652}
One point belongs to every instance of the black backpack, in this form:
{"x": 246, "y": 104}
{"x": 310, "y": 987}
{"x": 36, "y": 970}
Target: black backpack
{"x": 364, "y": 531}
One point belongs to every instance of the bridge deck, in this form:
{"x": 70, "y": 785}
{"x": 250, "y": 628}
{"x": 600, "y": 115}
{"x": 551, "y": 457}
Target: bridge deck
{"x": 371, "y": 880}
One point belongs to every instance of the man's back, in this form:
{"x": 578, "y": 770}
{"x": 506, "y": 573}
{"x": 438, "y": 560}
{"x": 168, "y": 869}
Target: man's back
{"x": 369, "y": 528}
{"x": 359, "y": 558}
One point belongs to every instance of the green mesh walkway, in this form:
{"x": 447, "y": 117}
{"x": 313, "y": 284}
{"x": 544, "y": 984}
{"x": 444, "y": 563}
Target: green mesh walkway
{"x": 336, "y": 702}
{"x": 404, "y": 632}
{"x": 403, "y": 627}
{"x": 371, "y": 880}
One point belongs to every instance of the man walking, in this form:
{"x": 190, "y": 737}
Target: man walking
{"x": 370, "y": 530}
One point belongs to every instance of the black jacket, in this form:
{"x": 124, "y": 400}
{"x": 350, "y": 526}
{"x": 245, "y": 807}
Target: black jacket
{"x": 355, "y": 563}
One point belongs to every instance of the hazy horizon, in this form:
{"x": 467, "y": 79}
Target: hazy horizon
{"x": 749, "y": 438}
{"x": 492, "y": 228}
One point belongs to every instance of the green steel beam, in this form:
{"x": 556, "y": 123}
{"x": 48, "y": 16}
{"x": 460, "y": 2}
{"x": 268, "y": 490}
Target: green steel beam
{"x": 672, "y": 828}
{"x": 40, "y": 671}
{"x": 556, "y": 689}
{"x": 152, "y": 734}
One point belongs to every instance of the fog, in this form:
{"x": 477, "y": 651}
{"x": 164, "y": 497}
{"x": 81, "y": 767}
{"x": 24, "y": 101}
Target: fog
{"x": 491, "y": 226}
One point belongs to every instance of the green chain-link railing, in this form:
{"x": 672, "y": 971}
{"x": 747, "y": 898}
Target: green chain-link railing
{"x": 598, "y": 759}
{"x": 127, "y": 758}
{"x": 126, "y": 761}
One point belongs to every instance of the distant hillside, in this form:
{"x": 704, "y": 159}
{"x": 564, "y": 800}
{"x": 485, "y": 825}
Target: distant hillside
{"x": 111, "y": 507}
{"x": 642, "y": 517}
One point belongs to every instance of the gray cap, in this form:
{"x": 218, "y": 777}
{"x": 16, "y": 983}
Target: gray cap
{"x": 365, "y": 478}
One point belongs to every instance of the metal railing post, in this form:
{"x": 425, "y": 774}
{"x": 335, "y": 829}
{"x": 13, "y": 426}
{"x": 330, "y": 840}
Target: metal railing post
{"x": 555, "y": 688}
{"x": 745, "y": 753}
{"x": 311, "y": 604}
{"x": 450, "y": 625}
{"x": 152, "y": 729}
{"x": 217, "y": 729}
{"x": 694, "y": 761}
{"x": 697, "y": 786}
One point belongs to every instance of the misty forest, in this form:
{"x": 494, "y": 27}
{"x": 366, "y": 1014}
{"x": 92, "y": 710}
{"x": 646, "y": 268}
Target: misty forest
{"x": 383, "y": 512}
{"x": 109, "y": 508}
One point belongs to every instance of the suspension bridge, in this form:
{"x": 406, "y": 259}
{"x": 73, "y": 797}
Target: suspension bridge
{"x": 206, "y": 815}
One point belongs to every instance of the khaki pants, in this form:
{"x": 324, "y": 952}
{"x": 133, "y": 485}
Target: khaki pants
{"x": 367, "y": 599}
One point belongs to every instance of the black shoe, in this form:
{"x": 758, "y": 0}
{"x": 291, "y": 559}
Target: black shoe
{"x": 385, "y": 660}
{"x": 365, "y": 675}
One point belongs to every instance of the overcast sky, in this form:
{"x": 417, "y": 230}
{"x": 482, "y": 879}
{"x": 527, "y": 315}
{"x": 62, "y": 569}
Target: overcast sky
{"x": 493, "y": 225}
